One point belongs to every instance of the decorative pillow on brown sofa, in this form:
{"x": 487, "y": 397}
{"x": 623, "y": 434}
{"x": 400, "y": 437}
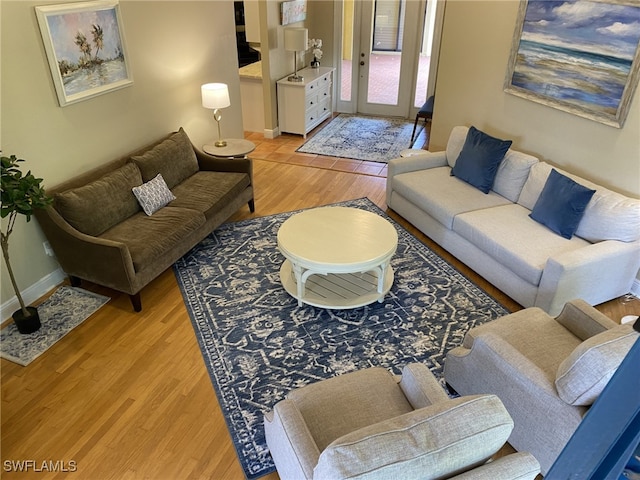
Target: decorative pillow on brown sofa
{"x": 153, "y": 195}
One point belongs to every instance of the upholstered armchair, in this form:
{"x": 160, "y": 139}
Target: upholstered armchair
{"x": 370, "y": 424}
{"x": 547, "y": 371}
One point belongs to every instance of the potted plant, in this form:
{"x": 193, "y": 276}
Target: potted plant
{"x": 21, "y": 194}
{"x": 315, "y": 44}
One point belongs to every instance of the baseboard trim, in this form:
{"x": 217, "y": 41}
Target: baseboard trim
{"x": 32, "y": 293}
{"x": 271, "y": 134}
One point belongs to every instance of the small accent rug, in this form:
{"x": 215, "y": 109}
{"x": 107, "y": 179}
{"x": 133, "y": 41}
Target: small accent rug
{"x": 375, "y": 139}
{"x": 258, "y": 344}
{"x": 64, "y": 310}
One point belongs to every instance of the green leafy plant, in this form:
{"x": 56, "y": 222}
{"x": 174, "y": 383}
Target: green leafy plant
{"x": 21, "y": 194}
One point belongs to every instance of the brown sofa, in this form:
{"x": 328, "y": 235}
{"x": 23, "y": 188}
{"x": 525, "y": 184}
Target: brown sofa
{"x": 100, "y": 233}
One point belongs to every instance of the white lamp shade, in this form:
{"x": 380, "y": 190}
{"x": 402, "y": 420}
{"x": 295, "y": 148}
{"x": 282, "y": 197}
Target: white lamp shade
{"x": 296, "y": 39}
{"x": 215, "y": 95}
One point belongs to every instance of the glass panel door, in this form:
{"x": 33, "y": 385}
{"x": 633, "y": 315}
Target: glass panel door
{"x": 424, "y": 70}
{"x": 347, "y": 66}
{"x": 385, "y": 50}
{"x": 385, "y": 57}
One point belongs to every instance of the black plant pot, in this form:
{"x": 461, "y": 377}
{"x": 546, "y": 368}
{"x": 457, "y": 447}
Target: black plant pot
{"x": 27, "y": 324}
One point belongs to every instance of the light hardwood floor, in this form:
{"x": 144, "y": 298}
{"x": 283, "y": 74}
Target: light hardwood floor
{"x": 126, "y": 395}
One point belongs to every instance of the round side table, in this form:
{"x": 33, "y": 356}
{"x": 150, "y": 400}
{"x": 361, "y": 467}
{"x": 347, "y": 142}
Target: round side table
{"x": 235, "y": 148}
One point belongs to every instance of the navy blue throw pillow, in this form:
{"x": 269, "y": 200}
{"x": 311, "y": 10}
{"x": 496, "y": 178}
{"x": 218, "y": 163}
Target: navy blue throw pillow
{"x": 561, "y": 204}
{"x": 479, "y": 159}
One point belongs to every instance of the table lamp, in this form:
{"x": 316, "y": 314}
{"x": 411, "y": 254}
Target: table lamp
{"x": 216, "y": 96}
{"x": 296, "y": 40}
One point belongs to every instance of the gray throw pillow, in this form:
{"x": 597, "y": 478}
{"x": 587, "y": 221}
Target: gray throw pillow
{"x": 153, "y": 195}
{"x": 430, "y": 442}
{"x": 583, "y": 375}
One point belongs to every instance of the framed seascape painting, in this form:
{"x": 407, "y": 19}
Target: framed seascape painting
{"x": 85, "y": 48}
{"x": 579, "y": 56}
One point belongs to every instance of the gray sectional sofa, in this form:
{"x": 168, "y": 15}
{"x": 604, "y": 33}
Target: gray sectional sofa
{"x": 494, "y": 234}
{"x": 103, "y": 232}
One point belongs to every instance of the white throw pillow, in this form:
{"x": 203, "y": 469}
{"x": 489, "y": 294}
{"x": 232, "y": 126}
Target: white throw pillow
{"x": 532, "y": 188}
{"x": 512, "y": 174}
{"x": 455, "y": 143}
{"x": 153, "y": 195}
{"x": 608, "y": 216}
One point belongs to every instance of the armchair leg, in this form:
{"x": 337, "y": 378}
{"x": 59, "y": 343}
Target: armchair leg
{"x": 252, "y": 205}
{"x": 75, "y": 281}
{"x": 450, "y": 389}
{"x": 136, "y": 302}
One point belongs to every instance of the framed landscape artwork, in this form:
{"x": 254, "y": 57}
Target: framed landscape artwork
{"x": 579, "y": 56}
{"x": 293, "y": 11}
{"x": 85, "y": 49}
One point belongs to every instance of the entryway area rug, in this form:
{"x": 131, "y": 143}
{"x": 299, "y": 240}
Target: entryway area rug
{"x": 375, "y": 139}
{"x": 258, "y": 344}
{"x": 64, "y": 310}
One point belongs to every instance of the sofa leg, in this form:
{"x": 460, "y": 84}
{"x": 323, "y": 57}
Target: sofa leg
{"x": 252, "y": 205}
{"x": 136, "y": 302}
{"x": 75, "y": 281}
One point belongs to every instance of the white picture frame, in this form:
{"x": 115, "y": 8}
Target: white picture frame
{"x": 580, "y": 57}
{"x": 85, "y": 47}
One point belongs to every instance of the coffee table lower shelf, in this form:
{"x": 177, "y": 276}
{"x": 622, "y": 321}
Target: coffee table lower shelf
{"x": 337, "y": 290}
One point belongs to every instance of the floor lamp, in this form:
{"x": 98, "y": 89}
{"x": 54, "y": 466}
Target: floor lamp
{"x": 296, "y": 40}
{"x": 216, "y": 96}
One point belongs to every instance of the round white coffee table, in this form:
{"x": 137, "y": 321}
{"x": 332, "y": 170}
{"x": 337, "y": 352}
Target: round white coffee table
{"x": 337, "y": 257}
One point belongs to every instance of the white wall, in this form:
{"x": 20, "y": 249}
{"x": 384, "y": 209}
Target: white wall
{"x": 475, "y": 48}
{"x": 474, "y": 55}
{"x": 174, "y": 47}
{"x": 276, "y": 61}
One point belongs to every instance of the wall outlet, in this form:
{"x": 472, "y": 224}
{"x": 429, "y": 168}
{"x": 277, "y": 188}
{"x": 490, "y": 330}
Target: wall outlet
{"x": 48, "y": 250}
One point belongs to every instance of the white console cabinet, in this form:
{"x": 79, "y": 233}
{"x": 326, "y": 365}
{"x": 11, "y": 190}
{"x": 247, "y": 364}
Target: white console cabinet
{"x": 302, "y": 106}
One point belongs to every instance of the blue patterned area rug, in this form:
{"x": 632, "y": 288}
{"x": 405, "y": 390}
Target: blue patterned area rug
{"x": 375, "y": 139}
{"x": 64, "y": 310}
{"x": 258, "y": 344}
